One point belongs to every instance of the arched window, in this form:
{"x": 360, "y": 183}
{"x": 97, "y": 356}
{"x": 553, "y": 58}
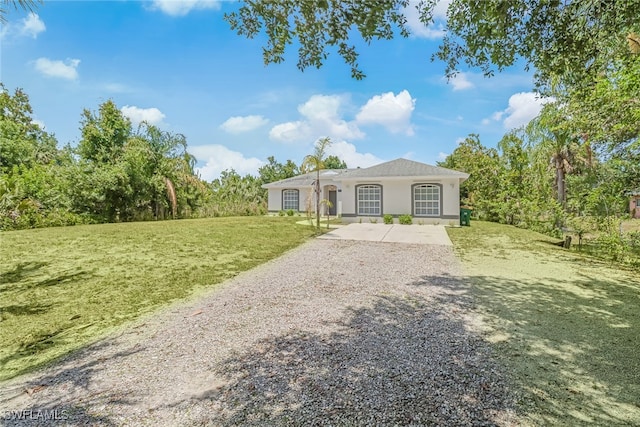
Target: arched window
{"x": 290, "y": 200}
{"x": 369, "y": 199}
{"x": 426, "y": 200}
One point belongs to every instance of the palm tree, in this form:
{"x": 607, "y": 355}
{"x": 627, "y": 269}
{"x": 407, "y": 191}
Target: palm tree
{"x": 554, "y": 141}
{"x": 27, "y": 5}
{"x": 314, "y": 163}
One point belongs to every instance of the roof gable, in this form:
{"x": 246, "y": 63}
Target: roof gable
{"x": 306, "y": 179}
{"x": 402, "y": 168}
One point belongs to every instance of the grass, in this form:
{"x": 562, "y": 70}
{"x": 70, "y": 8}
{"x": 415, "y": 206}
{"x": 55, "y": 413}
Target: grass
{"x": 565, "y": 325}
{"x": 62, "y": 288}
{"x": 631, "y": 225}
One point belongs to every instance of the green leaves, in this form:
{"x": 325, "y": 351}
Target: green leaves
{"x": 318, "y": 25}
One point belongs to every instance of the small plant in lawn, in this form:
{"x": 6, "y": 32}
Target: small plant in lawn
{"x": 282, "y": 213}
{"x": 405, "y": 219}
{"x": 388, "y": 219}
{"x": 328, "y": 205}
{"x": 581, "y": 225}
{"x": 290, "y": 212}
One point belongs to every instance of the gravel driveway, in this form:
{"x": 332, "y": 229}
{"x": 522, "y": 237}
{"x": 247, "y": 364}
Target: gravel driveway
{"x": 332, "y": 333}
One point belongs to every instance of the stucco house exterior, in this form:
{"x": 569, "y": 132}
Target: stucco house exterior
{"x": 398, "y": 187}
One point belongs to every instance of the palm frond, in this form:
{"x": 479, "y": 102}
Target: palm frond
{"x": 27, "y": 5}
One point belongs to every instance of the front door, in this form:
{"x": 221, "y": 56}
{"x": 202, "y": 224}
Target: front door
{"x": 333, "y": 198}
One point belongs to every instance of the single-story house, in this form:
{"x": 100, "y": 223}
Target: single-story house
{"x": 399, "y": 187}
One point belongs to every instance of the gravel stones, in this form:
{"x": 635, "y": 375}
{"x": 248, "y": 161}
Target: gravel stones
{"x": 333, "y": 333}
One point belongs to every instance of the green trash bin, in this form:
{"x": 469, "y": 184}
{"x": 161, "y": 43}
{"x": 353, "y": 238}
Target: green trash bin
{"x": 465, "y": 217}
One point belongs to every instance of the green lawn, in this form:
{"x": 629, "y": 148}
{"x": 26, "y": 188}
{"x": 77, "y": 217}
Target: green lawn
{"x": 566, "y": 326}
{"x": 61, "y": 288}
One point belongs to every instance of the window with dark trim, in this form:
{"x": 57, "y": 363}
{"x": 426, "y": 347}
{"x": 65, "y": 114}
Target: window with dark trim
{"x": 290, "y": 200}
{"x": 426, "y": 200}
{"x": 369, "y": 199}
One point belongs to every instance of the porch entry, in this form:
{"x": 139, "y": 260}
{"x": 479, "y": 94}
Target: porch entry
{"x": 333, "y": 198}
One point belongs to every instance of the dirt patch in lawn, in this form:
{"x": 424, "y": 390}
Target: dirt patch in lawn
{"x": 565, "y": 325}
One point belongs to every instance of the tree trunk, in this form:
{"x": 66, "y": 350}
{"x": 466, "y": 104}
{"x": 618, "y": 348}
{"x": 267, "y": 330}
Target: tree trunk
{"x": 562, "y": 191}
{"x": 318, "y": 199}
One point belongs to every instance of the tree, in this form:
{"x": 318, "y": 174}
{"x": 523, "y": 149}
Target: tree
{"x": 22, "y": 141}
{"x": 28, "y": 5}
{"x": 607, "y": 111}
{"x": 571, "y": 39}
{"x": 317, "y": 25}
{"x": 314, "y": 163}
{"x": 554, "y": 141}
{"x": 276, "y": 171}
{"x": 334, "y": 162}
{"x": 104, "y": 134}
{"x": 480, "y": 191}
{"x": 233, "y": 194}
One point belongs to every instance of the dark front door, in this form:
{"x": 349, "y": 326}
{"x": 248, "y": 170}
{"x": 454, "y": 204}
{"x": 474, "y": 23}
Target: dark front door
{"x": 333, "y": 198}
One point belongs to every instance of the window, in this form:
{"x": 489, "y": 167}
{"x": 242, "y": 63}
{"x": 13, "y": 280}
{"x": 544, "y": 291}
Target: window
{"x": 426, "y": 200}
{"x": 290, "y": 200}
{"x": 369, "y": 199}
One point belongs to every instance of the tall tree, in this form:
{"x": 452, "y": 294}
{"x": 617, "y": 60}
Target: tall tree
{"x": 275, "y": 171}
{"x": 104, "y": 134}
{"x": 554, "y": 141}
{"x": 334, "y": 162}
{"x": 481, "y": 190}
{"x": 573, "y": 39}
{"x": 314, "y": 163}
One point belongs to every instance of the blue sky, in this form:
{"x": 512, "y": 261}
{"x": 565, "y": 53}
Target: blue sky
{"x": 178, "y": 65}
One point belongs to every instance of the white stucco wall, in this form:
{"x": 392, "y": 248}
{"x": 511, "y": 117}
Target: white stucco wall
{"x": 451, "y": 197}
{"x": 397, "y": 197}
{"x": 274, "y": 203}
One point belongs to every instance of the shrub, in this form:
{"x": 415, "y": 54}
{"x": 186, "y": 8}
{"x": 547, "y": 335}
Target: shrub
{"x": 388, "y": 219}
{"x": 373, "y": 220}
{"x": 405, "y": 219}
{"x": 290, "y": 212}
{"x": 282, "y": 213}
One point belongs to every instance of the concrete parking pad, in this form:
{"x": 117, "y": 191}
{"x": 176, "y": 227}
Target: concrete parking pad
{"x": 395, "y": 233}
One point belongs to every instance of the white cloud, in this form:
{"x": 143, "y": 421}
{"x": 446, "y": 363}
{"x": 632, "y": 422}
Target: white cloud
{"x": 218, "y": 158}
{"x": 183, "y": 7}
{"x": 291, "y": 132}
{"x": 435, "y": 30}
{"x": 391, "y": 111}
{"x": 347, "y": 152}
{"x": 320, "y": 117}
{"x": 32, "y": 25}
{"x": 138, "y": 115}
{"x": 523, "y": 107}
{"x": 442, "y": 156}
{"x": 63, "y": 69}
{"x": 40, "y": 123}
{"x": 241, "y": 124}
{"x": 461, "y": 82}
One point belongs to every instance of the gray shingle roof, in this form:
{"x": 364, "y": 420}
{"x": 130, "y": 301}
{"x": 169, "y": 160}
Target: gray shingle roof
{"x": 306, "y": 180}
{"x": 394, "y": 168}
{"x": 401, "y": 168}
